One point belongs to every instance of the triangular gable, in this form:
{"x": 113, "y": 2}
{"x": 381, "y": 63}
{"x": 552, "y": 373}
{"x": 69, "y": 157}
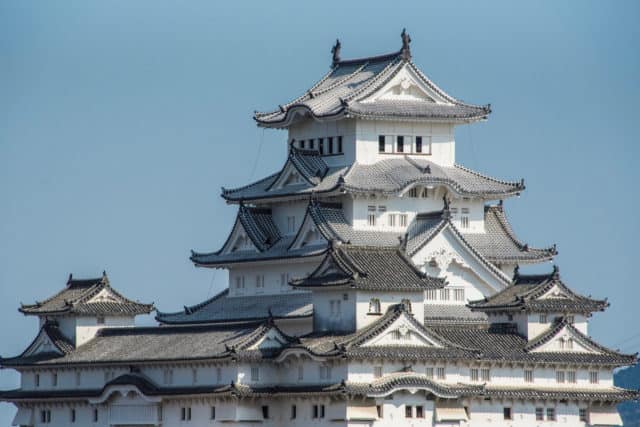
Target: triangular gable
{"x": 309, "y": 234}
{"x": 42, "y": 344}
{"x": 238, "y": 241}
{"x": 556, "y": 291}
{"x": 106, "y": 295}
{"x": 447, "y": 249}
{"x": 564, "y": 338}
{"x": 272, "y": 339}
{"x": 332, "y": 266}
{"x": 403, "y": 331}
{"x": 290, "y": 176}
{"x": 407, "y": 85}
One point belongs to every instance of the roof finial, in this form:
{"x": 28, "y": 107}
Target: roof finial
{"x": 335, "y": 50}
{"x": 556, "y": 272}
{"x": 516, "y": 272}
{"x": 446, "y": 212}
{"x": 406, "y": 50}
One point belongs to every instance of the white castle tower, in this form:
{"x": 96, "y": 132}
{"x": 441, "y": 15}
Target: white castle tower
{"x": 373, "y": 281}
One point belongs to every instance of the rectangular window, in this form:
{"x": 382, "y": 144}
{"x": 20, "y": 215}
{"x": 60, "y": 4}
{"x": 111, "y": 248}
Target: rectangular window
{"x": 311, "y": 144}
{"x": 431, "y": 294}
{"x": 593, "y": 377}
{"x": 413, "y": 192}
{"x": 551, "y": 414}
{"x": 265, "y": 412}
{"x": 321, "y": 411}
{"x": 528, "y": 375}
{"x": 314, "y": 412}
{"x": 583, "y": 415}
{"x": 379, "y": 411}
{"x": 506, "y": 413}
{"x": 73, "y": 415}
{"x": 219, "y": 375}
{"x": 539, "y": 414}
{"x": 419, "y": 412}
{"x": 300, "y": 372}
{"x": 78, "y": 378}
{"x": 54, "y": 379}
{"x": 255, "y": 373}
{"x": 424, "y": 193}
{"x": 464, "y": 222}
{"x": 403, "y": 220}
{"x": 382, "y": 208}
{"x": 543, "y": 318}
{"x": 95, "y": 415}
{"x": 458, "y": 294}
{"x": 377, "y": 371}
{"x": 321, "y": 145}
{"x": 194, "y": 376}
{"x": 325, "y": 372}
{"x": 391, "y": 220}
{"x": 294, "y": 412}
{"x": 445, "y": 294}
{"x": 330, "y": 145}
{"x": 37, "y": 380}
{"x": 301, "y": 143}
{"x": 400, "y": 144}
{"x": 559, "y": 376}
{"x": 418, "y": 144}
{"x": 485, "y": 374}
{"x": 474, "y": 374}
{"x": 381, "y": 144}
{"x": 291, "y": 224}
{"x": 340, "y": 144}
{"x": 440, "y": 372}
{"x": 100, "y": 320}
{"x": 571, "y": 377}
{"x": 408, "y": 411}
{"x": 212, "y": 413}
{"x": 429, "y": 373}
{"x": 371, "y": 220}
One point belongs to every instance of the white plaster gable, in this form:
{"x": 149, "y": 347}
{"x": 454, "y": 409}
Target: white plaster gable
{"x": 123, "y": 393}
{"x": 567, "y": 340}
{"x": 272, "y": 339}
{"x": 446, "y": 255}
{"x": 308, "y": 235}
{"x": 406, "y": 85}
{"x": 289, "y": 177}
{"x": 41, "y": 344}
{"x": 105, "y": 295}
{"x": 402, "y": 332}
{"x": 554, "y": 292}
{"x": 239, "y": 241}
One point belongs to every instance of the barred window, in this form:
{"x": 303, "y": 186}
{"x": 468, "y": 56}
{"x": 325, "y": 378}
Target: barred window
{"x": 440, "y": 373}
{"x": 403, "y": 220}
{"x": 377, "y": 371}
{"x": 391, "y": 220}
{"x": 431, "y": 294}
{"x": 539, "y": 414}
{"x": 528, "y": 375}
{"x": 474, "y": 374}
{"x": 583, "y": 415}
{"x": 429, "y": 372}
{"x": 444, "y": 294}
{"x": 571, "y": 377}
{"x": 458, "y": 294}
{"x": 593, "y": 377}
{"x": 485, "y": 374}
{"x": 551, "y": 414}
{"x": 559, "y": 376}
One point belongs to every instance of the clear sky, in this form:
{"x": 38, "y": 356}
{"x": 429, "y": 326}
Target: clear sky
{"x": 120, "y": 121}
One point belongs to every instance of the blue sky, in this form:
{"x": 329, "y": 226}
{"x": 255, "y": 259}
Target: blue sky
{"x": 120, "y": 121}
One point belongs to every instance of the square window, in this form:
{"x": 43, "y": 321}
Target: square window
{"x": 100, "y": 320}
{"x": 543, "y": 318}
{"x": 408, "y": 411}
{"x": 506, "y": 413}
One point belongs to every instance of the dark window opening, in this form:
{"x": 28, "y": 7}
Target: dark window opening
{"x": 381, "y": 144}
{"x": 330, "y": 145}
{"x": 265, "y": 412}
{"x": 302, "y": 143}
{"x": 294, "y": 412}
{"x": 321, "y": 145}
{"x": 408, "y": 411}
{"x": 379, "y": 410}
{"x": 418, "y": 144}
{"x": 506, "y": 412}
{"x": 213, "y": 413}
{"x": 400, "y": 144}
{"x": 339, "y": 144}
{"x": 419, "y": 412}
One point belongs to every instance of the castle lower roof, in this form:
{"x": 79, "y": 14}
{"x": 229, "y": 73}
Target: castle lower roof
{"x": 79, "y": 297}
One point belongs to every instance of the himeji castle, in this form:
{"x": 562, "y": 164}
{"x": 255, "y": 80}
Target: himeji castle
{"x": 373, "y": 281}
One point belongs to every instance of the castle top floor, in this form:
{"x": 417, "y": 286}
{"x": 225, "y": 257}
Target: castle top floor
{"x": 368, "y": 109}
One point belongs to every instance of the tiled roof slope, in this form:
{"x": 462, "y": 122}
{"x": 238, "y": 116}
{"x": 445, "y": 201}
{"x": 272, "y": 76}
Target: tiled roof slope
{"x": 499, "y": 244}
{"x": 308, "y": 163}
{"x": 389, "y": 177}
{"x": 161, "y": 344}
{"x": 223, "y": 308}
{"x": 368, "y": 268}
{"x": 525, "y": 292}
{"x": 341, "y": 91}
{"x": 76, "y": 298}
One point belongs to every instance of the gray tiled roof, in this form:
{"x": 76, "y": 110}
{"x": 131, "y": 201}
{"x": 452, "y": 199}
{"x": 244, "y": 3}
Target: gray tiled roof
{"x": 340, "y": 92}
{"x": 609, "y": 394}
{"x": 259, "y": 225}
{"x": 390, "y": 177}
{"x": 404, "y": 380}
{"x": 308, "y": 163}
{"x": 75, "y": 298}
{"x": 162, "y": 344}
{"x": 451, "y": 313}
{"x": 499, "y": 243}
{"x": 223, "y": 308}
{"x": 523, "y": 295}
{"x": 368, "y": 268}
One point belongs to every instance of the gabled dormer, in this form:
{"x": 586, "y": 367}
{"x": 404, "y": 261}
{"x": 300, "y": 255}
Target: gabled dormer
{"x": 83, "y": 307}
{"x": 537, "y": 301}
